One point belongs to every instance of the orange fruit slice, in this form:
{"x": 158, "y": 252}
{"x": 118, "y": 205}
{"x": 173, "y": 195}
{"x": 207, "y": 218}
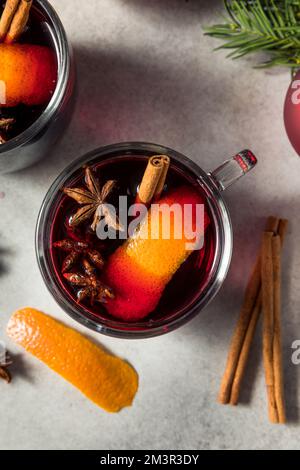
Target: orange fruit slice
{"x": 107, "y": 380}
{"x": 28, "y": 74}
{"x": 140, "y": 269}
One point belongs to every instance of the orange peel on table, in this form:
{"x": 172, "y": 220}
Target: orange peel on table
{"x": 108, "y": 381}
{"x": 28, "y": 73}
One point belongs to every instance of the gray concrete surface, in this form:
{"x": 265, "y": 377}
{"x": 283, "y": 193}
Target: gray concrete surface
{"x": 146, "y": 72}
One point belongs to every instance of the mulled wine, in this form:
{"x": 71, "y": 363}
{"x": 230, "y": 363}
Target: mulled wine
{"x": 93, "y": 272}
{"x": 132, "y": 285}
{"x": 28, "y": 68}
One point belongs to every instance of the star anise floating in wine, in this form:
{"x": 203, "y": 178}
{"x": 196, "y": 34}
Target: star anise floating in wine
{"x": 5, "y": 126}
{"x": 93, "y": 199}
{"x": 83, "y": 260}
{"x": 91, "y": 286}
{"x": 76, "y": 250}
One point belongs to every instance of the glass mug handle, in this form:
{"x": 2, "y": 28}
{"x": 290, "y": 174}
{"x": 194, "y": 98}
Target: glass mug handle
{"x": 233, "y": 169}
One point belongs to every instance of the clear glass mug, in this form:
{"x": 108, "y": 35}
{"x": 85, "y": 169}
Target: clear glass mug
{"x": 213, "y": 184}
{"x": 35, "y": 142}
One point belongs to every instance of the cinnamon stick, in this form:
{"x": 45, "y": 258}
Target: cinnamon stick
{"x": 268, "y": 322}
{"x": 277, "y": 346}
{"x": 282, "y": 229}
{"x": 271, "y": 226}
{"x": 19, "y": 21}
{"x": 239, "y": 340}
{"x": 239, "y": 334}
{"x": 274, "y": 336}
{"x": 152, "y": 177}
{"x": 7, "y": 16}
{"x": 268, "y": 294}
{"x": 244, "y": 354}
{"x": 162, "y": 180}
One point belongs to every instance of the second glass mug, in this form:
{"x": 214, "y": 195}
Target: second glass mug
{"x": 212, "y": 184}
{"x": 36, "y": 141}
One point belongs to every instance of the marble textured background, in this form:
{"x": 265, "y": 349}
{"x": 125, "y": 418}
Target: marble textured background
{"x": 146, "y": 72}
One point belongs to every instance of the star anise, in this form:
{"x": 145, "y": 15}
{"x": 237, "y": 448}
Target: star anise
{"x": 77, "y": 249}
{"x": 93, "y": 199}
{"x": 4, "y": 373}
{"x": 5, "y": 126}
{"x": 91, "y": 286}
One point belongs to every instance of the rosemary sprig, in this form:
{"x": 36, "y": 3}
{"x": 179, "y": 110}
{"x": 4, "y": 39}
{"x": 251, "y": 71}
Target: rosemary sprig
{"x": 271, "y": 26}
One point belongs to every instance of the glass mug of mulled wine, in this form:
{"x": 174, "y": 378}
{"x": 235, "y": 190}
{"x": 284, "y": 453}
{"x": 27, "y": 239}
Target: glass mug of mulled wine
{"x": 99, "y": 250}
{"x": 36, "y": 82}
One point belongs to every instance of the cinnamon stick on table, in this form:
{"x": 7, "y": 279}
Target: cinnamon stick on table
{"x": 277, "y": 346}
{"x": 272, "y": 347}
{"x": 239, "y": 334}
{"x": 244, "y": 331}
{"x": 245, "y": 351}
{"x": 268, "y": 322}
{"x": 273, "y": 225}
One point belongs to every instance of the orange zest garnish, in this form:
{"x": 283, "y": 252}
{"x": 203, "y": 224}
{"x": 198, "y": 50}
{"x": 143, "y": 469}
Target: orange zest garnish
{"x": 108, "y": 381}
{"x": 28, "y": 74}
